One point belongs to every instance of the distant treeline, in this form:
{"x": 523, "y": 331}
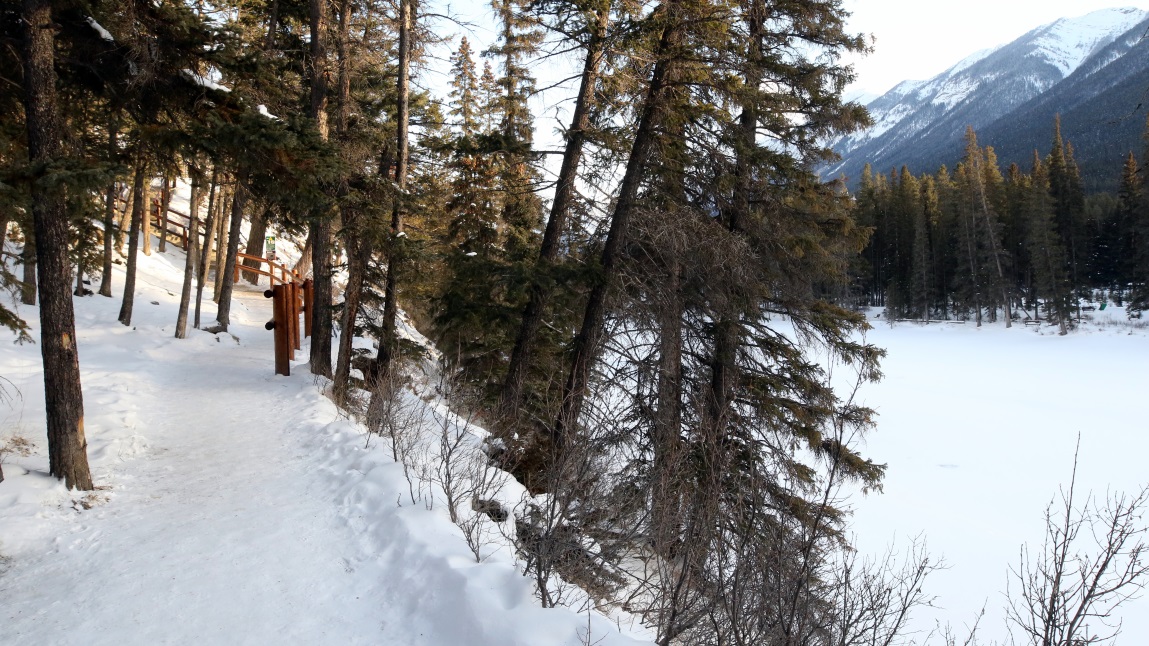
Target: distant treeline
{"x": 974, "y": 244}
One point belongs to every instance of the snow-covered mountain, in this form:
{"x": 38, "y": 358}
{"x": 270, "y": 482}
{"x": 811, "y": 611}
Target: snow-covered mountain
{"x": 917, "y": 120}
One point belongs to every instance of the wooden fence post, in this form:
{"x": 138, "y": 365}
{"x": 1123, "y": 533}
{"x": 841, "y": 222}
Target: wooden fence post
{"x": 281, "y": 324}
{"x": 293, "y": 305}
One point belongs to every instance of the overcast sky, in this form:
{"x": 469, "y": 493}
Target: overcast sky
{"x": 920, "y": 40}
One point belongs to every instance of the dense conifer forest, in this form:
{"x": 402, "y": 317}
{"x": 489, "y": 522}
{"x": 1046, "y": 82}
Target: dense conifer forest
{"x": 1030, "y": 244}
{"x": 649, "y": 331}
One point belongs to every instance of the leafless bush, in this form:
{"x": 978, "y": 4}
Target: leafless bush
{"x": 14, "y": 444}
{"x": 1093, "y": 560}
{"x": 465, "y": 474}
{"x": 400, "y": 419}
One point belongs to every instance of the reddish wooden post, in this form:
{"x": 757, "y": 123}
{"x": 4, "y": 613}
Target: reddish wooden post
{"x": 280, "y": 323}
{"x": 308, "y": 301}
{"x": 293, "y": 304}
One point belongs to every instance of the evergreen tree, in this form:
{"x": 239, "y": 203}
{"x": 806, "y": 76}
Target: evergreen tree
{"x": 925, "y": 219}
{"x": 1045, "y": 248}
{"x": 1126, "y": 240}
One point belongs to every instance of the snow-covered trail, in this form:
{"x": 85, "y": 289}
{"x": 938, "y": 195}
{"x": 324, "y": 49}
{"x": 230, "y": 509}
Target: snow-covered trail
{"x": 236, "y": 507}
{"x": 212, "y": 529}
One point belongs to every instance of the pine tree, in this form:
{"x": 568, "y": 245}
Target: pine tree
{"x": 1127, "y": 239}
{"x": 594, "y": 21}
{"x": 63, "y": 397}
{"x": 925, "y": 219}
{"x": 1046, "y": 250}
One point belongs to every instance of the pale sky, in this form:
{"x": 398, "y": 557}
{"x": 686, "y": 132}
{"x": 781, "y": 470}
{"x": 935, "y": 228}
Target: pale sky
{"x": 918, "y": 40}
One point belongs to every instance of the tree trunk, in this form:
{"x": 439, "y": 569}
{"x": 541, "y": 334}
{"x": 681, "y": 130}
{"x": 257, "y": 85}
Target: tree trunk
{"x": 358, "y": 254}
{"x": 665, "y": 511}
{"x": 63, "y": 397}
{"x": 146, "y": 225}
{"x": 510, "y": 398}
{"x": 208, "y": 240}
{"x": 138, "y": 215}
{"x": 28, "y": 258}
{"x": 165, "y": 203}
{"x": 223, "y": 313}
{"x": 321, "y": 231}
{"x": 192, "y": 255}
{"x": 255, "y": 241}
{"x": 991, "y": 235}
{"x": 585, "y": 344}
{"x": 110, "y": 211}
{"x": 388, "y": 343}
{"x": 221, "y": 240}
{"x": 5, "y": 218}
{"x": 358, "y": 248}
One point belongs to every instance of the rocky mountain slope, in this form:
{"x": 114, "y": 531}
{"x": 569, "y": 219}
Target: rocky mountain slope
{"x": 1085, "y": 68}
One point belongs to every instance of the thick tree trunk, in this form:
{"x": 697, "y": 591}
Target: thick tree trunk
{"x": 139, "y": 195}
{"x": 321, "y": 230}
{"x": 585, "y": 344}
{"x": 190, "y": 261}
{"x": 255, "y": 241}
{"x": 511, "y": 396}
{"x": 110, "y": 211}
{"x": 208, "y": 240}
{"x": 28, "y": 258}
{"x": 358, "y": 249}
{"x": 63, "y": 397}
{"x": 223, "y": 313}
{"x": 388, "y": 343}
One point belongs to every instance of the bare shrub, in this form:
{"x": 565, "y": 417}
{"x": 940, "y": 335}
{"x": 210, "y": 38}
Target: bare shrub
{"x": 465, "y": 473}
{"x": 400, "y": 419}
{"x": 1093, "y": 560}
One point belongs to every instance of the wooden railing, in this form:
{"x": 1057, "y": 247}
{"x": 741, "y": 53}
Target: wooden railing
{"x": 289, "y": 300}
{"x": 275, "y": 271}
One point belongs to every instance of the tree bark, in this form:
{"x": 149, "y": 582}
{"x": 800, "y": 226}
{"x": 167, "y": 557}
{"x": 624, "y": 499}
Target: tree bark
{"x": 208, "y": 240}
{"x": 63, "y": 396}
{"x": 190, "y": 261}
{"x": 221, "y": 240}
{"x": 138, "y": 210}
{"x": 255, "y": 241}
{"x": 511, "y": 395}
{"x": 321, "y": 230}
{"x": 357, "y": 257}
{"x": 28, "y": 258}
{"x": 223, "y": 313}
{"x": 146, "y": 225}
{"x": 388, "y": 344}
{"x": 165, "y": 203}
{"x": 110, "y": 210}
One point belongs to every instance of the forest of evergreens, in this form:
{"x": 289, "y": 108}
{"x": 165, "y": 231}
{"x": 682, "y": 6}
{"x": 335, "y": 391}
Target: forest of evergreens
{"x": 975, "y": 244}
{"x": 646, "y": 334}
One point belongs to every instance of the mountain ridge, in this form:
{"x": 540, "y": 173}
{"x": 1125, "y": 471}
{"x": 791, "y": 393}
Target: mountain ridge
{"x": 920, "y": 123}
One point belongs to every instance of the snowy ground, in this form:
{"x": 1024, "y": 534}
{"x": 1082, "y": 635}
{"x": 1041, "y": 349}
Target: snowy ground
{"x": 979, "y": 427}
{"x": 235, "y": 507}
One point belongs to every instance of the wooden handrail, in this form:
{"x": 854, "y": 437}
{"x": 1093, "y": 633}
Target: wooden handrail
{"x": 286, "y": 274}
